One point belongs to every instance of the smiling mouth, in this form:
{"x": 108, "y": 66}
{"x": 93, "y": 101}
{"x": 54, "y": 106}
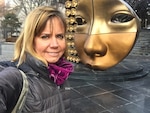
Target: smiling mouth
{"x": 53, "y": 54}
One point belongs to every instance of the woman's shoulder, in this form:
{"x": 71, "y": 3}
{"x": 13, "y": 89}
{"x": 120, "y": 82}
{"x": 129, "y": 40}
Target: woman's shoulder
{"x": 7, "y": 66}
{"x": 10, "y": 74}
{"x": 11, "y": 85}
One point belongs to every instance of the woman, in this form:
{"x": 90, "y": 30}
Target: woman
{"x": 40, "y": 54}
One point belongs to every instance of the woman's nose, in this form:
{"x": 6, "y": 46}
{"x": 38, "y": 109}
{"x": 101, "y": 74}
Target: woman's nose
{"x": 53, "y": 42}
{"x": 94, "y": 46}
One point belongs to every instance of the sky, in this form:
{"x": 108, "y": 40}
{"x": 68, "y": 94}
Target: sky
{"x": 9, "y": 1}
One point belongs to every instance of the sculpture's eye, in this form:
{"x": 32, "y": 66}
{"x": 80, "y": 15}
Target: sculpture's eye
{"x": 80, "y": 20}
{"x": 121, "y": 18}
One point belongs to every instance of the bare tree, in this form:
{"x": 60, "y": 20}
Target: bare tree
{"x": 27, "y": 5}
{"x": 4, "y": 9}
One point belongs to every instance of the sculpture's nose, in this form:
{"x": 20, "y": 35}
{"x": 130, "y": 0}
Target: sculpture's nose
{"x": 94, "y": 47}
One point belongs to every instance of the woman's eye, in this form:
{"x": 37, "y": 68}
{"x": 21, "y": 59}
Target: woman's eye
{"x": 44, "y": 36}
{"x": 60, "y": 36}
{"x": 121, "y": 18}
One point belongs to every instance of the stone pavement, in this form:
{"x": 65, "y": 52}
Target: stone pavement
{"x": 128, "y": 96}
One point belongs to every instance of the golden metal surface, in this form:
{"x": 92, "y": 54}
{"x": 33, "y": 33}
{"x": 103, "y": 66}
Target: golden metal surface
{"x": 105, "y": 32}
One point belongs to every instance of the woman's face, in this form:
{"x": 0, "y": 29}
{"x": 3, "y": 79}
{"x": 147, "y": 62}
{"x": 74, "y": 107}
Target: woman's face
{"x": 106, "y": 32}
{"x": 51, "y": 44}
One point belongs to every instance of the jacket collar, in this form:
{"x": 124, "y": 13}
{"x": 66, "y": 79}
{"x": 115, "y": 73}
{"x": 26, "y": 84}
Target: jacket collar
{"x": 33, "y": 66}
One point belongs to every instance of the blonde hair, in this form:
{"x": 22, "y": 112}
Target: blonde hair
{"x": 34, "y": 25}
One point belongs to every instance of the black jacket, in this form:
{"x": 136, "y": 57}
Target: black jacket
{"x": 44, "y": 95}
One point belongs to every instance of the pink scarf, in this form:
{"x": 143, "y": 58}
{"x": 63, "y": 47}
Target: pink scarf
{"x": 60, "y": 71}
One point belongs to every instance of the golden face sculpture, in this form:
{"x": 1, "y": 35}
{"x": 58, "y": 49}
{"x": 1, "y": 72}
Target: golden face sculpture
{"x": 106, "y": 31}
